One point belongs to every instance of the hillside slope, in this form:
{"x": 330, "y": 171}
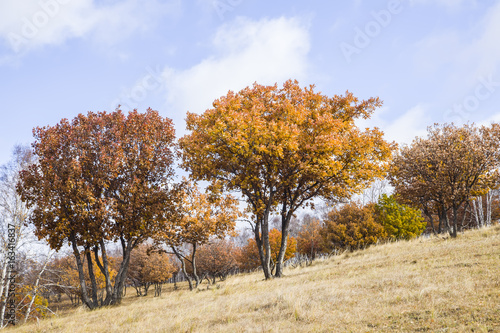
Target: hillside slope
{"x": 432, "y": 284}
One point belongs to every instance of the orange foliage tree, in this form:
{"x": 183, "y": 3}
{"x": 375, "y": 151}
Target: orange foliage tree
{"x": 309, "y": 240}
{"x": 148, "y": 269}
{"x": 101, "y": 177}
{"x": 281, "y": 148}
{"x": 216, "y": 259}
{"x": 199, "y": 218}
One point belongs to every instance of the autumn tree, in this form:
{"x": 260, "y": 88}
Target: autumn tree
{"x": 200, "y": 217}
{"x": 102, "y": 177}
{"x": 309, "y": 240}
{"x": 351, "y": 227}
{"x": 216, "y": 259}
{"x": 281, "y": 148}
{"x": 442, "y": 172}
{"x": 147, "y": 269}
{"x": 247, "y": 256}
{"x": 400, "y": 221}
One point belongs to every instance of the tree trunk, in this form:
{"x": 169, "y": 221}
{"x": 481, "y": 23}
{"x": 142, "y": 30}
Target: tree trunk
{"x": 478, "y": 211}
{"x": 264, "y": 259}
{"x": 104, "y": 267}
{"x": 6, "y": 299}
{"x": 431, "y": 219}
{"x": 453, "y": 230}
{"x": 285, "y": 223}
{"x": 4, "y": 286}
{"x": 93, "y": 283}
{"x": 266, "y": 246}
{"x": 489, "y": 196}
{"x": 183, "y": 267}
{"x": 122, "y": 272}
{"x": 440, "y": 225}
{"x": 467, "y": 205}
{"x": 446, "y": 223}
{"x": 158, "y": 288}
{"x": 81, "y": 275}
{"x": 193, "y": 265}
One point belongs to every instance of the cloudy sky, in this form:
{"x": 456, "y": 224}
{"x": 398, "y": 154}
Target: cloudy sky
{"x": 429, "y": 61}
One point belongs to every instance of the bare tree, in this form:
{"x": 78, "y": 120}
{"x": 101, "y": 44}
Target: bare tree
{"x": 14, "y": 230}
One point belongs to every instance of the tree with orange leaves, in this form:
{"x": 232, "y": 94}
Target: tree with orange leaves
{"x": 282, "y": 148}
{"x": 216, "y": 259}
{"x": 101, "y": 177}
{"x": 309, "y": 240}
{"x": 200, "y": 217}
{"x": 147, "y": 269}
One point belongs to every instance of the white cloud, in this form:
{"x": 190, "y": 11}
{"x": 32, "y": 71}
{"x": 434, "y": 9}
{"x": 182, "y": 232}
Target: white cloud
{"x": 28, "y": 24}
{"x": 265, "y": 51}
{"x": 403, "y": 129}
{"x": 412, "y": 123}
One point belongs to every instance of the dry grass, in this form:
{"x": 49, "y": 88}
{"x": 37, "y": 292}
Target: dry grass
{"x": 434, "y": 285}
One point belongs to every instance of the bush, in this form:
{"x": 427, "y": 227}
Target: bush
{"x": 399, "y": 221}
{"x": 351, "y": 227}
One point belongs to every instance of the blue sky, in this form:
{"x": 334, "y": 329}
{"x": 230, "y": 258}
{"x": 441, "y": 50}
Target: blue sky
{"x": 429, "y": 61}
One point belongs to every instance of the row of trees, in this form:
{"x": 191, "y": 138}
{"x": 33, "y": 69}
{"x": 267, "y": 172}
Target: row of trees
{"x": 108, "y": 178}
{"x": 215, "y": 259}
{"x": 353, "y": 226}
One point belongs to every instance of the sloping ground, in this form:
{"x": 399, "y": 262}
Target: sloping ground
{"x": 433, "y": 284}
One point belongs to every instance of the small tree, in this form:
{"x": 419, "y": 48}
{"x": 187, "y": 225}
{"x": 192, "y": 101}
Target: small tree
{"x": 400, "y": 221}
{"x": 200, "y": 217}
{"x": 216, "y": 259}
{"x": 309, "y": 240}
{"x": 147, "y": 269}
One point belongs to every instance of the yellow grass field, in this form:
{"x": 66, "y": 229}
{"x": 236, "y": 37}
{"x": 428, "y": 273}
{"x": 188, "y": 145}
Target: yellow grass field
{"x": 425, "y": 285}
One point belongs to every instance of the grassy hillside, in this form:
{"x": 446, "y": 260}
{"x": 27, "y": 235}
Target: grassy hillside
{"x": 435, "y": 285}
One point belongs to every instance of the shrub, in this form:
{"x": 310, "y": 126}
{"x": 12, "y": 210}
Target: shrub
{"x": 351, "y": 227}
